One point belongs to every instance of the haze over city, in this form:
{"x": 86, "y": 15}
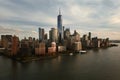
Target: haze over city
{"x": 24, "y": 17}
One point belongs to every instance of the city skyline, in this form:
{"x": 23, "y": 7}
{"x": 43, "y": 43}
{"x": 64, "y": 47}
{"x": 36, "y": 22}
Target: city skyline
{"x": 26, "y": 16}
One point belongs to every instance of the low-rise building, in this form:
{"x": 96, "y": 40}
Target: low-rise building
{"x": 52, "y": 49}
{"x": 41, "y": 49}
{"x": 61, "y": 48}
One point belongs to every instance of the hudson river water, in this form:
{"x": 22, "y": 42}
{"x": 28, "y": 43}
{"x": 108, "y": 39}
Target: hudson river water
{"x": 102, "y": 64}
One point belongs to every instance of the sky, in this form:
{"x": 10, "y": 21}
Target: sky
{"x": 24, "y": 17}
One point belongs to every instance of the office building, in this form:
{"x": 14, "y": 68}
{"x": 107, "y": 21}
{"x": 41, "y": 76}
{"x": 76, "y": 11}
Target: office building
{"x": 95, "y": 42}
{"x": 60, "y": 27}
{"x": 89, "y": 36}
{"x": 41, "y": 34}
{"x": 46, "y": 36}
{"x": 76, "y": 36}
{"x": 67, "y": 34}
{"x": 53, "y": 35}
{"x": 15, "y": 46}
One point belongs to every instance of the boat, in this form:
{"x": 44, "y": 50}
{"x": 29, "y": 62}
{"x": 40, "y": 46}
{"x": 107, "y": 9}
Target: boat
{"x": 82, "y": 51}
{"x": 71, "y": 54}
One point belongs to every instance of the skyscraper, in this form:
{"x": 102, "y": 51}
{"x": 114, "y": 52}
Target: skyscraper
{"x": 15, "y": 45}
{"x": 89, "y": 35}
{"x": 53, "y": 35}
{"x": 59, "y": 25}
{"x": 67, "y": 33}
{"x": 41, "y": 34}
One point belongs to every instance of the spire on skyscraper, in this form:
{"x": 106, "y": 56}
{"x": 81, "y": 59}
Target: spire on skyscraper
{"x": 59, "y": 11}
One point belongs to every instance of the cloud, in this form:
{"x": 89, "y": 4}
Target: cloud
{"x": 18, "y": 32}
{"x": 34, "y": 32}
{"x": 84, "y": 15}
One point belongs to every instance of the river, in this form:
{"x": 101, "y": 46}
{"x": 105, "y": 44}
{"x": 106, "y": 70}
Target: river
{"x": 102, "y": 64}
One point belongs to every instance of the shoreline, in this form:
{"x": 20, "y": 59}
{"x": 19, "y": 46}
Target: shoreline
{"x": 37, "y": 58}
{"x": 29, "y": 58}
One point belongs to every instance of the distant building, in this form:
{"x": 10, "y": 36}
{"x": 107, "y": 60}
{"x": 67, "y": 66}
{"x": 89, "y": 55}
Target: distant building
{"x": 40, "y": 50}
{"x": 24, "y": 43}
{"x": 41, "y": 34}
{"x": 73, "y": 38}
{"x": 60, "y": 27}
{"x": 85, "y": 37}
{"x": 77, "y": 46}
{"x": 53, "y": 35}
{"x": 0, "y": 44}
{"x": 99, "y": 42}
{"x": 25, "y": 48}
{"x": 89, "y": 36}
{"x": 86, "y": 41}
{"x": 53, "y": 45}
{"x": 11, "y": 44}
{"x": 30, "y": 39}
{"x": 6, "y": 41}
{"x": 95, "y": 42}
{"x": 31, "y": 42}
{"x": 46, "y": 36}
{"x": 67, "y": 34}
{"x": 15, "y": 46}
{"x": 76, "y": 36}
{"x": 61, "y": 48}
{"x": 36, "y": 43}
{"x": 105, "y": 42}
{"x": 52, "y": 49}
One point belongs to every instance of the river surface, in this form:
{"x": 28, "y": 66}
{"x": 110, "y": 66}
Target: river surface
{"x": 102, "y": 64}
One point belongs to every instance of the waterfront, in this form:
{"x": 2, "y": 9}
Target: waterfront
{"x": 102, "y": 64}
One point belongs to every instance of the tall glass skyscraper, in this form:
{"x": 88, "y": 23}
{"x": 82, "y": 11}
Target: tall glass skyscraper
{"x": 59, "y": 25}
{"x": 41, "y": 34}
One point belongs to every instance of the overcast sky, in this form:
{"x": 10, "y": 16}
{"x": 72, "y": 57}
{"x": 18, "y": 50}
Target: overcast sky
{"x": 23, "y": 17}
